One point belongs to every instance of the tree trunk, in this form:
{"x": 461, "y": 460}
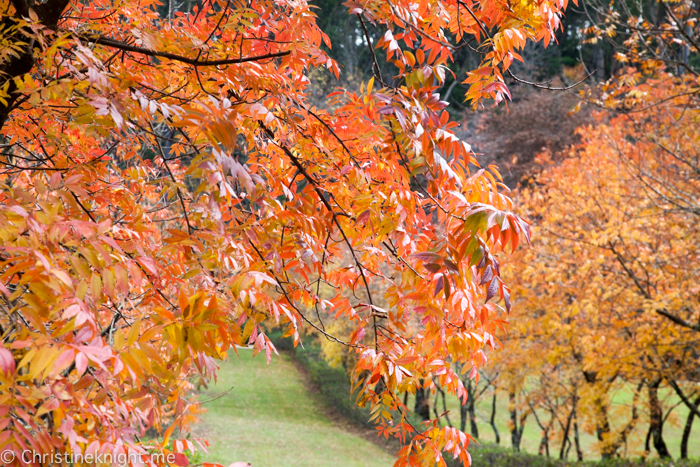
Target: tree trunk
{"x": 565, "y": 437}
{"x": 600, "y": 412}
{"x": 512, "y": 408}
{"x": 463, "y": 417}
{"x": 656, "y": 420}
{"x": 444, "y": 407}
{"x": 422, "y": 407}
{"x": 686, "y": 430}
{"x": 471, "y": 410}
{"x": 577, "y": 440}
{"x": 544, "y": 442}
{"x": 647, "y": 441}
{"x": 600, "y": 62}
{"x": 516, "y": 431}
{"x": 20, "y": 64}
{"x": 602, "y": 428}
{"x": 492, "y": 421}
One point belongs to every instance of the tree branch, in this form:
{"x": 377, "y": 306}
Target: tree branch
{"x": 683, "y": 397}
{"x": 178, "y": 58}
{"x": 678, "y": 320}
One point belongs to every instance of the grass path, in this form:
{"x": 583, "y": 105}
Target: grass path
{"x": 269, "y": 419}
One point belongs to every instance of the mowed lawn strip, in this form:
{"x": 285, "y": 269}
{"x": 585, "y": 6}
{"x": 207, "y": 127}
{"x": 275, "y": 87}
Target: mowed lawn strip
{"x": 270, "y": 419}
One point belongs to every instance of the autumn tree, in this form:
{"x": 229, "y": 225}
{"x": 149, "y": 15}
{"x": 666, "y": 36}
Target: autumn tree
{"x": 611, "y": 286}
{"x": 167, "y": 189}
{"x": 609, "y": 295}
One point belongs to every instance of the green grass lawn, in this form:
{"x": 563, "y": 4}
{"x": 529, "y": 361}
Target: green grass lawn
{"x": 270, "y": 419}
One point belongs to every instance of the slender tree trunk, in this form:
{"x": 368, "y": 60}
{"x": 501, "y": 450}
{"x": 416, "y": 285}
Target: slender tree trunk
{"x": 577, "y": 441}
{"x": 492, "y": 420}
{"x": 574, "y": 418}
{"x": 512, "y": 408}
{"x": 600, "y": 63}
{"x": 565, "y": 439}
{"x": 687, "y": 429}
{"x": 463, "y": 417}
{"x": 444, "y": 407}
{"x": 647, "y": 441}
{"x": 600, "y": 412}
{"x": 471, "y": 409}
{"x": 516, "y": 430}
{"x": 422, "y": 407}
{"x": 441, "y": 392}
{"x": 602, "y": 428}
{"x": 545, "y": 439}
{"x": 656, "y": 420}
{"x": 435, "y": 405}
{"x": 544, "y": 442}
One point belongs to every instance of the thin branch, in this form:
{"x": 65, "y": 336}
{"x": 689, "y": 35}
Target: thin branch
{"x": 375, "y": 64}
{"x": 170, "y": 56}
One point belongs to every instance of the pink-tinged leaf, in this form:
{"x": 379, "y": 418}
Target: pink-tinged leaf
{"x": 204, "y": 445}
{"x": 148, "y": 263}
{"x": 92, "y": 448}
{"x": 81, "y": 363}
{"x": 261, "y": 277}
{"x": 62, "y": 362}
{"x": 358, "y": 337}
{"x": 63, "y": 276}
{"x": 362, "y": 218}
{"x": 7, "y": 362}
{"x": 71, "y": 311}
{"x": 55, "y": 180}
{"x": 19, "y": 210}
{"x": 427, "y": 257}
{"x": 268, "y": 353}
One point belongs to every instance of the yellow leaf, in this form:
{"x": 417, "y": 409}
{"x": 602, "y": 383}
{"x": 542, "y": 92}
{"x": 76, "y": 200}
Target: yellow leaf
{"x": 95, "y": 287}
{"x": 119, "y": 340}
{"x": 134, "y": 332}
{"x": 43, "y": 358}
{"x": 108, "y": 280}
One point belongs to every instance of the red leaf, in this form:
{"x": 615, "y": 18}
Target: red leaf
{"x": 7, "y": 361}
{"x": 180, "y": 459}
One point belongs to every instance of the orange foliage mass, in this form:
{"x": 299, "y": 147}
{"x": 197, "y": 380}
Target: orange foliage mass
{"x": 167, "y": 189}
